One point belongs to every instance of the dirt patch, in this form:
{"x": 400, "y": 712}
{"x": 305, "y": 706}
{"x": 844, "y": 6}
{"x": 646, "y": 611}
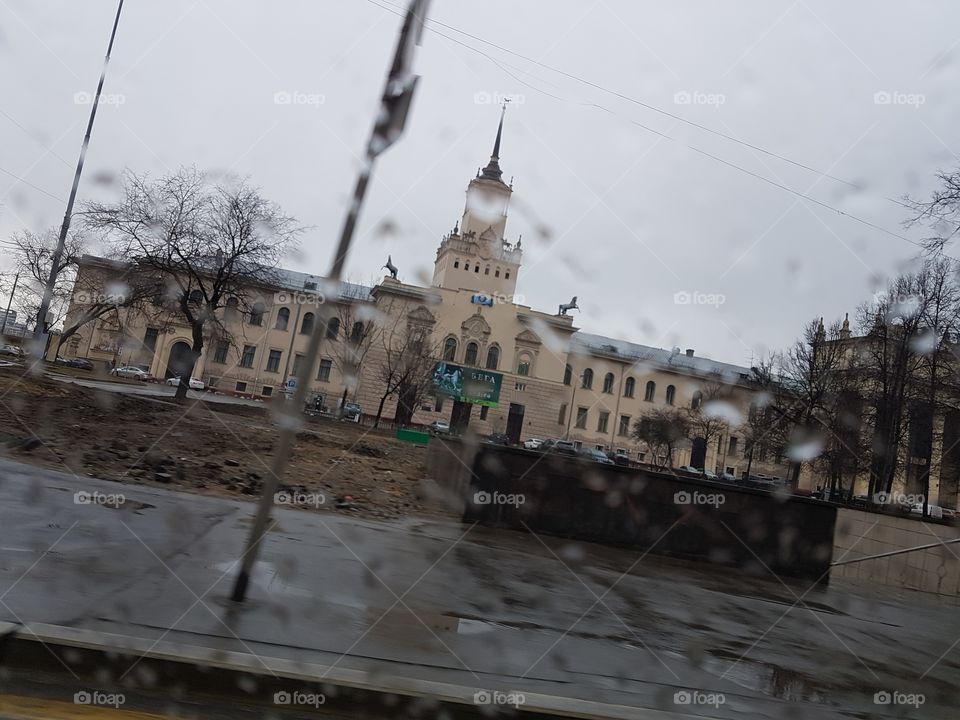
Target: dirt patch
{"x": 213, "y": 448}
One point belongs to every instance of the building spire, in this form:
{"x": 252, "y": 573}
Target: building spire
{"x": 492, "y": 170}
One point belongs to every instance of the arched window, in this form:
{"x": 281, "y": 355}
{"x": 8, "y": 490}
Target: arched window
{"x": 283, "y": 318}
{"x": 588, "y": 378}
{"x": 306, "y": 324}
{"x": 256, "y": 314}
{"x": 523, "y": 367}
{"x": 466, "y": 266}
{"x": 496, "y": 273}
{"x": 232, "y": 309}
{"x": 567, "y": 374}
{"x": 456, "y": 264}
{"x": 486, "y": 270}
{"x": 697, "y": 400}
{"x": 196, "y": 297}
{"x": 608, "y": 383}
{"x": 470, "y": 356}
{"x": 629, "y": 387}
{"x": 650, "y": 391}
{"x": 671, "y": 393}
{"x": 356, "y": 334}
{"x": 333, "y": 328}
{"x": 476, "y": 268}
{"x": 507, "y": 275}
{"x": 450, "y": 349}
{"x": 493, "y": 357}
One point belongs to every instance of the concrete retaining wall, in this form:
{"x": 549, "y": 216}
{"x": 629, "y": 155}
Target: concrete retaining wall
{"x": 861, "y": 533}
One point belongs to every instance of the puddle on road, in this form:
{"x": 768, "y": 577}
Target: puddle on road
{"x": 768, "y": 679}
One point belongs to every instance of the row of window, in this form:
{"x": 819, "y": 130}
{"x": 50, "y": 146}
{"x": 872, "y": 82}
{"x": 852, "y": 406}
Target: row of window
{"x": 471, "y": 356}
{"x": 476, "y": 269}
{"x": 603, "y": 420}
{"x": 258, "y": 313}
{"x": 629, "y": 387}
{"x": 249, "y": 352}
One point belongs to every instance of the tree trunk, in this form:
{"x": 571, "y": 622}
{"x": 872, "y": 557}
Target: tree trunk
{"x": 195, "y": 353}
{"x": 376, "y": 420}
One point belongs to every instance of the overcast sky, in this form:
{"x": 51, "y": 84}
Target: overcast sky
{"x": 284, "y": 92}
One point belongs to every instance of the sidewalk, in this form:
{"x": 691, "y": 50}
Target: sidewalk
{"x": 440, "y": 609}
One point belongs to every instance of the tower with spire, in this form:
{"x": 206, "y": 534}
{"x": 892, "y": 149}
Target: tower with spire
{"x": 476, "y": 255}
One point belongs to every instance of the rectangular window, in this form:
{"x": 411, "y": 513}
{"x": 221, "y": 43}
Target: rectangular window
{"x": 598, "y": 447}
{"x": 641, "y": 455}
{"x": 212, "y": 382}
{"x": 623, "y": 429}
{"x": 246, "y": 359}
{"x": 483, "y": 412}
{"x": 241, "y": 387}
{"x": 733, "y": 447}
{"x": 523, "y": 368}
{"x": 273, "y": 361}
{"x": 602, "y": 422}
{"x": 438, "y": 404}
{"x": 297, "y": 363}
{"x": 581, "y": 417}
{"x": 267, "y": 391}
{"x": 562, "y": 417}
{"x": 323, "y": 374}
{"x": 520, "y": 386}
{"x": 220, "y": 354}
{"x": 150, "y": 339}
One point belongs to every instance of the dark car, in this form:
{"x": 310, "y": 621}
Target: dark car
{"x": 595, "y": 455}
{"x": 619, "y": 459}
{"x": 79, "y": 363}
{"x": 498, "y": 439}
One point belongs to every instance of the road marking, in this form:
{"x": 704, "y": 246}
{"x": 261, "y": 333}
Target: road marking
{"x": 17, "y": 707}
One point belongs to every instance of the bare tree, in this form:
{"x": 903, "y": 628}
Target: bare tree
{"x": 211, "y": 242}
{"x": 358, "y": 331}
{"x": 705, "y": 418}
{"x": 766, "y": 424}
{"x": 408, "y": 355}
{"x": 941, "y": 212}
{"x": 663, "y": 430}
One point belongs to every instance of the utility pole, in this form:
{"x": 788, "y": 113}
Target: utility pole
{"x": 388, "y": 126}
{"x": 16, "y": 279}
{"x": 41, "y": 327}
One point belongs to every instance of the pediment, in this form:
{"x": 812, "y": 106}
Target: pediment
{"x": 475, "y": 326}
{"x": 528, "y": 337}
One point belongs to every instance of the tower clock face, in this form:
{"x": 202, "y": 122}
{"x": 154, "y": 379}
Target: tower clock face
{"x": 486, "y": 205}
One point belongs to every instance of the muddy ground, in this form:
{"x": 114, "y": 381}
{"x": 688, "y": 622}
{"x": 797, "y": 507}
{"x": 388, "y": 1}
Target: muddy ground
{"x": 212, "y": 448}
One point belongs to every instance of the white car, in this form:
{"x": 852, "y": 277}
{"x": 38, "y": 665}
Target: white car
{"x": 194, "y": 383}
{"x": 11, "y": 351}
{"x": 936, "y": 512}
{"x": 532, "y": 444}
{"x": 440, "y": 427}
{"x": 129, "y": 371}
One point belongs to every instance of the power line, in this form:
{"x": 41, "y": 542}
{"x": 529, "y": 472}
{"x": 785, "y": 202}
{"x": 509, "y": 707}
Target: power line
{"x": 663, "y": 135}
{"x": 33, "y": 137}
{"x": 30, "y": 184}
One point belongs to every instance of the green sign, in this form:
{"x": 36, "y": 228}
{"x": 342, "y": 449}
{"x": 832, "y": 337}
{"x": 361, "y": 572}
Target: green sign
{"x": 467, "y": 384}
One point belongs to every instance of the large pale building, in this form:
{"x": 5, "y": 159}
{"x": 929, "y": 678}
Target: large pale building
{"x": 555, "y": 381}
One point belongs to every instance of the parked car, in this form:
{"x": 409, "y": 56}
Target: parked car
{"x": 498, "y": 439}
{"x": 595, "y": 455}
{"x": 129, "y": 371}
{"x": 726, "y": 477}
{"x": 949, "y": 513}
{"x": 709, "y": 474}
{"x": 532, "y": 443}
{"x": 936, "y": 512}
{"x": 11, "y": 351}
{"x": 350, "y": 412}
{"x": 689, "y": 469}
{"x": 562, "y": 447}
{"x": 79, "y": 363}
{"x": 439, "y": 427}
{"x": 617, "y": 458}
{"x": 195, "y": 383}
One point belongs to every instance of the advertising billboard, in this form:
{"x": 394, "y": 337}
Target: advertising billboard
{"x": 467, "y": 384}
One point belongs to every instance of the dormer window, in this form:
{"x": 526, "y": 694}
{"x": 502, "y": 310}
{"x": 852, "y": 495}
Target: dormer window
{"x": 507, "y": 274}
{"x": 456, "y": 263}
{"x": 466, "y": 266}
{"x": 496, "y": 273}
